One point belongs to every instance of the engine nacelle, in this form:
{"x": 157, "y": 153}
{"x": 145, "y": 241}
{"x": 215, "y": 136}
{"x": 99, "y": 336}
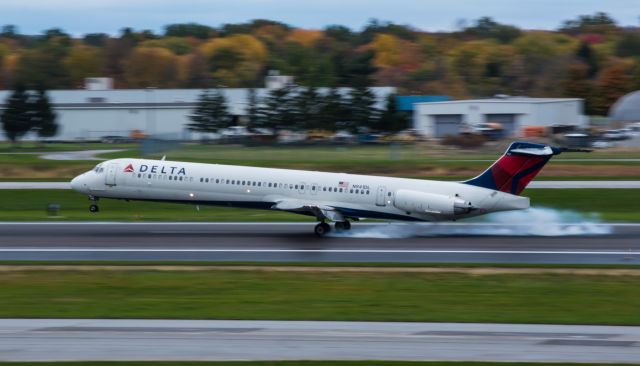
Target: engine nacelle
{"x": 421, "y": 202}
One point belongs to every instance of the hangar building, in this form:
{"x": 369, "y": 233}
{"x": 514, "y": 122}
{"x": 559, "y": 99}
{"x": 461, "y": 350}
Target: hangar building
{"x": 439, "y": 119}
{"x": 90, "y": 114}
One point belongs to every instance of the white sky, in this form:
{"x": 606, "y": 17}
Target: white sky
{"x": 109, "y": 16}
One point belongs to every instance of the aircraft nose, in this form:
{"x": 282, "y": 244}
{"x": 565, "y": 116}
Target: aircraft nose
{"x": 76, "y": 185}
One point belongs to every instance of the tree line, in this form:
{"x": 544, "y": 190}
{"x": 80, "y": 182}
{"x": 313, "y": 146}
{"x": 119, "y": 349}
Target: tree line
{"x": 590, "y": 57}
{"x": 28, "y": 111}
{"x": 300, "y": 109}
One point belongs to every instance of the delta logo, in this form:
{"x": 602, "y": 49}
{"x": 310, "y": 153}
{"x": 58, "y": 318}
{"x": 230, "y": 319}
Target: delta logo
{"x": 156, "y": 169}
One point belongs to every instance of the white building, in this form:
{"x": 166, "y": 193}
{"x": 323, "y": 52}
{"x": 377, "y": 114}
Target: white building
{"x": 439, "y": 119}
{"x": 91, "y": 114}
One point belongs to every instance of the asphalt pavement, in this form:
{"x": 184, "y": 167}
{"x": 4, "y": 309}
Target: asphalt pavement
{"x": 152, "y": 340}
{"x": 571, "y": 243}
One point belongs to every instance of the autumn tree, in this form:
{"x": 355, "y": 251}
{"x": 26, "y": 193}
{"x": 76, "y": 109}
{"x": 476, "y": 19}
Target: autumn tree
{"x": 189, "y": 30}
{"x": 486, "y": 27}
{"x": 235, "y": 61}
{"x": 576, "y": 84}
{"x": 151, "y": 66}
{"x": 82, "y": 62}
{"x": 598, "y": 23}
{"x": 613, "y": 83}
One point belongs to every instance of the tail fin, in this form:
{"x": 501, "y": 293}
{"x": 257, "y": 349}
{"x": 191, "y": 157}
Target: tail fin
{"x": 516, "y": 168}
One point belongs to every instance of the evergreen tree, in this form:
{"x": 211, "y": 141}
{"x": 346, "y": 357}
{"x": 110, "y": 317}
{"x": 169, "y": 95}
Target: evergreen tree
{"x": 43, "y": 119}
{"x": 333, "y": 110}
{"x": 276, "y": 110}
{"x": 307, "y": 109}
{"x": 362, "y": 106}
{"x": 392, "y": 120}
{"x": 211, "y": 113}
{"x": 15, "y": 119}
{"x": 252, "y": 108}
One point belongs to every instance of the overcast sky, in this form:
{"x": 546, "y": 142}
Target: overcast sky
{"x": 87, "y": 16}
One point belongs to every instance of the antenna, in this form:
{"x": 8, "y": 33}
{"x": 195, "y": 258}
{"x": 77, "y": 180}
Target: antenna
{"x": 163, "y": 157}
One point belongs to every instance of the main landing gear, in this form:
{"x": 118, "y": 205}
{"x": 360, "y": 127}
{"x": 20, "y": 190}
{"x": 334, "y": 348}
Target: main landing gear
{"x": 93, "y": 207}
{"x": 323, "y": 228}
{"x": 343, "y": 225}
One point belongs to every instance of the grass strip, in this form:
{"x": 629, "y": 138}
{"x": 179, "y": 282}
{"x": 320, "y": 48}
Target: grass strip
{"x": 30, "y": 205}
{"x": 349, "y": 296}
{"x": 370, "y": 265}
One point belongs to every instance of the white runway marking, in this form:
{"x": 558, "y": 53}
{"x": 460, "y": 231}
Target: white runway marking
{"x": 374, "y": 251}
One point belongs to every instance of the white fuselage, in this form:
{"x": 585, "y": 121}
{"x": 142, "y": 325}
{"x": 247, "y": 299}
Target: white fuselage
{"x": 353, "y": 196}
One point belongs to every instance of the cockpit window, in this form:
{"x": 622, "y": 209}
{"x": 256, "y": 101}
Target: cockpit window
{"x": 98, "y": 169}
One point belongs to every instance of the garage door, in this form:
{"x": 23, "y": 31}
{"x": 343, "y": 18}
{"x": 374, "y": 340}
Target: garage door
{"x": 508, "y": 122}
{"x": 447, "y": 124}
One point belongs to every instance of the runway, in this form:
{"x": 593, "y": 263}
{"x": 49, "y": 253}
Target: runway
{"x": 110, "y": 340}
{"x": 294, "y": 242}
{"x": 549, "y": 184}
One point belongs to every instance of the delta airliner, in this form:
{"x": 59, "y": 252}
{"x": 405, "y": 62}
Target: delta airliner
{"x": 337, "y": 197}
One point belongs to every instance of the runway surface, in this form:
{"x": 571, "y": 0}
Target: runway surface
{"x": 294, "y": 242}
{"x": 77, "y": 339}
{"x": 603, "y": 184}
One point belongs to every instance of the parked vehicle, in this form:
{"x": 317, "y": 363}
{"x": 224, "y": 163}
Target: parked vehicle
{"x": 614, "y": 135}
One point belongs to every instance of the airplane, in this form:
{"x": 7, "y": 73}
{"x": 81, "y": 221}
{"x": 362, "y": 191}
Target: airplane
{"x": 338, "y": 197}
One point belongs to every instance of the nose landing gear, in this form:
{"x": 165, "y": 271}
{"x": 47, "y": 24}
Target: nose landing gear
{"x": 93, "y": 207}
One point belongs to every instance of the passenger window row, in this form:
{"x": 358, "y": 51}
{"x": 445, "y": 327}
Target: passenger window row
{"x": 165, "y": 177}
{"x": 252, "y": 183}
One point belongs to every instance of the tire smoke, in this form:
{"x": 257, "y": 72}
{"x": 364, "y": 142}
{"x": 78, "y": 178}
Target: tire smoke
{"x": 535, "y": 221}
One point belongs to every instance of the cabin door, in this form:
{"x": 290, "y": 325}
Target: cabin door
{"x": 380, "y": 199}
{"x": 110, "y": 177}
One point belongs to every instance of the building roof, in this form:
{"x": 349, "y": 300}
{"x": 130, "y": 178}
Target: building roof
{"x": 627, "y": 108}
{"x": 406, "y": 102}
{"x": 509, "y": 100}
{"x": 236, "y": 97}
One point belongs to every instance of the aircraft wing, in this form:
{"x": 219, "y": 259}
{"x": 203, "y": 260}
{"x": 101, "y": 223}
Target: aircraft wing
{"x": 317, "y": 209}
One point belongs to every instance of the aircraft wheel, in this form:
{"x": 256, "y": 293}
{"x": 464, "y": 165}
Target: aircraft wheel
{"x": 322, "y": 229}
{"x": 343, "y": 225}
{"x": 94, "y": 208}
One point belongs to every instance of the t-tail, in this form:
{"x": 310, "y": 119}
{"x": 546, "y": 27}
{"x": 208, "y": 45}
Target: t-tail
{"x": 517, "y": 167}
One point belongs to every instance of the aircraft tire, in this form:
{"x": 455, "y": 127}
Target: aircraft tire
{"x": 322, "y": 229}
{"x": 343, "y": 225}
{"x": 94, "y": 208}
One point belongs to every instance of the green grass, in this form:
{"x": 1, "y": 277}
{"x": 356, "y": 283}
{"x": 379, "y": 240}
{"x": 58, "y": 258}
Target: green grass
{"x": 30, "y": 146}
{"x": 369, "y": 265}
{"x": 419, "y": 160}
{"x": 285, "y": 363}
{"x": 28, "y": 205}
{"x": 348, "y": 296}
